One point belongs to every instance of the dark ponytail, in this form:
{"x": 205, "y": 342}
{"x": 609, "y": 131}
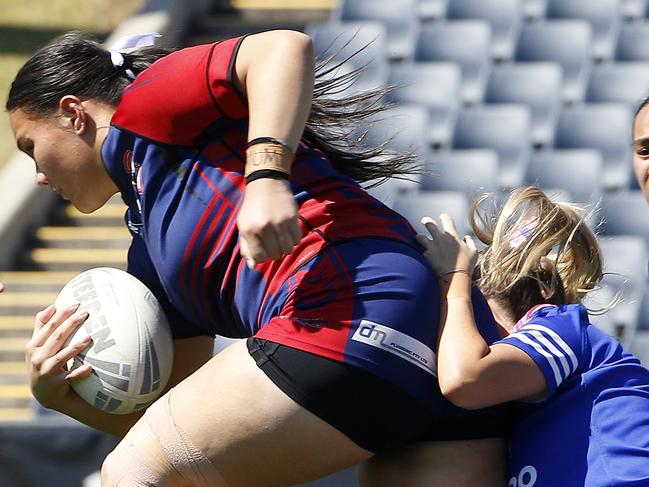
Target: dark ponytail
{"x": 74, "y": 63}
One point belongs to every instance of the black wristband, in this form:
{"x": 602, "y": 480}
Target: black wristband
{"x": 266, "y": 173}
{"x": 272, "y": 140}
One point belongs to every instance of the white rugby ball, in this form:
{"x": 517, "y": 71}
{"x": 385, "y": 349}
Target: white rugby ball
{"x": 131, "y": 353}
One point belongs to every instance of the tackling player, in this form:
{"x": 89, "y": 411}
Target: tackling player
{"x": 582, "y": 415}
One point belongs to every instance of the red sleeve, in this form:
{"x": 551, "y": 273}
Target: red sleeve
{"x": 180, "y": 95}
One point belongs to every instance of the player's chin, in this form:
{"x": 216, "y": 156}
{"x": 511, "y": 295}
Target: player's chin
{"x": 86, "y": 205}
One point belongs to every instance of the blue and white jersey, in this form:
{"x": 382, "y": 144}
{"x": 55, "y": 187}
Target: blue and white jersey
{"x": 592, "y": 429}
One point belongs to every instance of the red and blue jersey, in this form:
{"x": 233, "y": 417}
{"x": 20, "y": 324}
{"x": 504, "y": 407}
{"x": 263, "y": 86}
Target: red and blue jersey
{"x": 593, "y": 427}
{"x": 355, "y": 288}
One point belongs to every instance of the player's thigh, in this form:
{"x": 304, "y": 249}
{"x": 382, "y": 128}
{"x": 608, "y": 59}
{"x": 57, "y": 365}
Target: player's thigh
{"x": 466, "y": 463}
{"x": 253, "y": 433}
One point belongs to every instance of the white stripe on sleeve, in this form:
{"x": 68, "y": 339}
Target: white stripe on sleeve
{"x": 558, "y": 340}
{"x": 523, "y": 337}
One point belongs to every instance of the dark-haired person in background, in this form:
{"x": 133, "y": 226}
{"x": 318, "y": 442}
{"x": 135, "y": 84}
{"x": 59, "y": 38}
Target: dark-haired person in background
{"x": 248, "y": 221}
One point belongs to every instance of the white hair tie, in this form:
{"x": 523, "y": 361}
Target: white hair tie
{"x": 127, "y": 43}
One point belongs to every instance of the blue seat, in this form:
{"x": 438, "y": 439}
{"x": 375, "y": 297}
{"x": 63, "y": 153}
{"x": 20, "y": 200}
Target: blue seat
{"x": 503, "y": 128}
{"x": 464, "y": 42}
{"x": 605, "y": 17}
{"x": 633, "y": 42}
{"x": 602, "y": 126}
{"x": 623, "y": 257}
{"x": 621, "y": 82}
{"x": 413, "y": 206}
{"x": 625, "y": 213}
{"x": 355, "y": 45}
{"x": 473, "y": 171}
{"x": 577, "y": 171}
{"x": 504, "y": 16}
{"x": 435, "y": 86}
{"x": 537, "y": 85}
{"x": 400, "y": 17}
{"x": 566, "y": 42}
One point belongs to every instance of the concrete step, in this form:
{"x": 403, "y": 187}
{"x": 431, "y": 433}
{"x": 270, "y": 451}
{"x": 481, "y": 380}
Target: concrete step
{"x": 84, "y": 237}
{"x": 111, "y": 214}
{"x": 12, "y": 349}
{"x": 77, "y": 260}
{"x": 16, "y": 414}
{"x": 24, "y": 303}
{"x": 35, "y": 280}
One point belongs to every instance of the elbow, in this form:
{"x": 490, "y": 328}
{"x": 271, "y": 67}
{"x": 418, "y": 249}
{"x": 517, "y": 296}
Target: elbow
{"x": 461, "y": 391}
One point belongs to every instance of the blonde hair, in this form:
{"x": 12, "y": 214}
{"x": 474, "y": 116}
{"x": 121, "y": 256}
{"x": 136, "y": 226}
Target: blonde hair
{"x": 537, "y": 251}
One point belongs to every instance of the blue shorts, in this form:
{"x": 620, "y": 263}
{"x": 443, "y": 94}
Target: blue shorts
{"x": 373, "y": 304}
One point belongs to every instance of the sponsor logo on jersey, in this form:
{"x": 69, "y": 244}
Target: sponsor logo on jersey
{"x": 525, "y": 478}
{"x": 396, "y": 343}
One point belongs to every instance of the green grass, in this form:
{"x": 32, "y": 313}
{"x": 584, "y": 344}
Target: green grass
{"x": 26, "y": 25}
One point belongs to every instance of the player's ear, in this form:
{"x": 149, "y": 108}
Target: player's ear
{"x": 73, "y": 114}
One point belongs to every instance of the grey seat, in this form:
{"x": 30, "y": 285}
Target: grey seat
{"x": 625, "y": 213}
{"x": 464, "y": 42}
{"x": 432, "y": 9}
{"x": 577, "y": 171}
{"x": 566, "y": 42}
{"x": 620, "y": 82}
{"x": 625, "y": 259}
{"x": 605, "y": 16}
{"x": 354, "y": 45}
{"x": 602, "y": 126}
{"x": 413, "y": 206}
{"x": 504, "y": 16}
{"x": 400, "y": 17}
{"x": 633, "y": 42}
{"x": 503, "y": 128}
{"x": 435, "y": 86}
{"x": 537, "y": 85}
{"x": 473, "y": 171}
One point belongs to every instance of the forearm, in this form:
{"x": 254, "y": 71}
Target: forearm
{"x": 279, "y": 85}
{"x": 113, "y": 424}
{"x": 460, "y": 345}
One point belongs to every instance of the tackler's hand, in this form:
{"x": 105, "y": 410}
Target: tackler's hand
{"x": 49, "y": 350}
{"x": 445, "y": 251}
{"x": 268, "y": 221}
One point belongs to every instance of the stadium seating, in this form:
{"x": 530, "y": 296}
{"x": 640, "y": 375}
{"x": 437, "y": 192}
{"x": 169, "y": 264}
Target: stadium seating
{"x": 432, "y": 9}
{"x": 577, "y": 171}
{"x": 435, "y": 86}
{"x": 633, "y": 42}
{"x": 605, "y": 17}
{"x": 504, "y": 16}
{"x": 356, "y": 45}
{"x": 602, "y": 126}
{"x": 567, "y": 42}
{"x": 472, "y": 171}
{"x": 503, "y": 128}
{"x": 416, "y": 205}
{"x": 466, "y": 43}
{"x": 538, "y": 85}
{"x": 625, "y": 213}
{"x": 625, "y": 260}
{"x": 400, "y": 18}
{"x": 620, "y": 82}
